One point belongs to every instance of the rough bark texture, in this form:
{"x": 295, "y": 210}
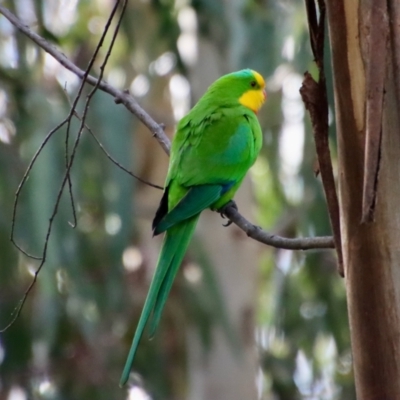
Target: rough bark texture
{"x": 371, "y": 251}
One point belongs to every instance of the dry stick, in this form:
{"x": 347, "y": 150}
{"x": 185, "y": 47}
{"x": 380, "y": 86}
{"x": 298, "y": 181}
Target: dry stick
{"x": 132, "y": 105}
{"x": 19, "y": 307}
{"x": 71, "y": 196}
{"x": 376, "y": 74}
{"x": 315, "y": 99}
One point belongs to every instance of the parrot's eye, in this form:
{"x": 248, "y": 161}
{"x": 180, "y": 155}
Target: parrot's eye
{"x": 253, "y": 83}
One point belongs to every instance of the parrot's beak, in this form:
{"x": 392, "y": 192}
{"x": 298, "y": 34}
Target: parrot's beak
{"x": 265, "y": 94}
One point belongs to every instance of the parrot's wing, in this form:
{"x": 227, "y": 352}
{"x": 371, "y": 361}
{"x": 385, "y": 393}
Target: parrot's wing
{"x": 197, "y": 199}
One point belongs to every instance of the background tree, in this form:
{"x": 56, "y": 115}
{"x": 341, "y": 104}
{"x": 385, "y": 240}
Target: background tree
{"x": 285, "y": 308}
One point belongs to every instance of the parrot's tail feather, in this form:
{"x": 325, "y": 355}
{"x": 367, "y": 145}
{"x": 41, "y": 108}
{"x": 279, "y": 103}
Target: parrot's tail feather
{"x": 184, "y": 235}
{"x": 175, "y": 243}
{"x": 162, "y": 297}
{"x": 165, "y": 258}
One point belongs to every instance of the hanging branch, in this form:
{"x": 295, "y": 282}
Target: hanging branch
{"x": 69, "y": 158}
{"x": 114, "y": 161}
{"x": 107, "y": 154}
{"x": 316, "y": 102}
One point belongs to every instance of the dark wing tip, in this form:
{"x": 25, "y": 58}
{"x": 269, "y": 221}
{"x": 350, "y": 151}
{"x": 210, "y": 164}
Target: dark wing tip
{"x": 161, "y": 212}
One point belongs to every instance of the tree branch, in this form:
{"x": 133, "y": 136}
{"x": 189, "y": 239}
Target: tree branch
{"x": 157, "y": 130}
{"x": 120, "y": 96}
{"x": 256, "y": 233}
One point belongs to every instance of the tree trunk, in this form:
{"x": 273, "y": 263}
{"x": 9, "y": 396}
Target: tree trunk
{"x": 371, "y": 250}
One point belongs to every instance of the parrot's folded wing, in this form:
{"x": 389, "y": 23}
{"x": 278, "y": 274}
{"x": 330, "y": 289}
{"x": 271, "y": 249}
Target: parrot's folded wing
{"x": 197, "y": 199}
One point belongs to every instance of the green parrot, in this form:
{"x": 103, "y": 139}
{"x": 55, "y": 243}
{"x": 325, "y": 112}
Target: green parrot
{"x": 214, "y": 146}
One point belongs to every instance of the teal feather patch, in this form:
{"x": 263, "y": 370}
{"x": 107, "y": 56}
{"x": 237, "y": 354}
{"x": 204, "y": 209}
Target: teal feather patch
{"x": 197, "y": 199}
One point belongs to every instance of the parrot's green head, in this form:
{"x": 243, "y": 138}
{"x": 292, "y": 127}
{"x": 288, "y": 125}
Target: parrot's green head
{"x": 246, "y": 87}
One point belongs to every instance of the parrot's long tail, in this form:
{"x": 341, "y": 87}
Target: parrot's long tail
{"x": 176, "y": 241}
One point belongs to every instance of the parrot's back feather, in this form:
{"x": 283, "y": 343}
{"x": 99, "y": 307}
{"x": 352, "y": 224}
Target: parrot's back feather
{"x": 197, "y": 199}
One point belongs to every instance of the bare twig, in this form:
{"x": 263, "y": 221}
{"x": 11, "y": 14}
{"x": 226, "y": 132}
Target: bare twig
{"x": 315, "y": 99}
{"x": 71, "y": 196}
{"x": 107, "y": 154}
{"x": 114, "y": 161}
{"x": 131, "y": 104}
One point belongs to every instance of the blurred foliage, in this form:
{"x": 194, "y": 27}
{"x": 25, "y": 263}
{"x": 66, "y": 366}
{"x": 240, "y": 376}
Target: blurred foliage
{"x": 72, "y": 336}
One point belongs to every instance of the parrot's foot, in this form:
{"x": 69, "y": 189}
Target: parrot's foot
{"x": 231, "y": 203}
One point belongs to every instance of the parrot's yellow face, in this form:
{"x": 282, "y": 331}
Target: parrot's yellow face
{"x": 256, "y": 95}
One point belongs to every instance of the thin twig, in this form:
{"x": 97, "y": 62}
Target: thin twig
{"x": 107, "y": 154}
{"x": 114, "y": 161}
{"x": 71, "y": 196}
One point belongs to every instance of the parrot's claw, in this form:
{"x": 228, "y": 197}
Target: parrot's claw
{"x": 231, "y": 203}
